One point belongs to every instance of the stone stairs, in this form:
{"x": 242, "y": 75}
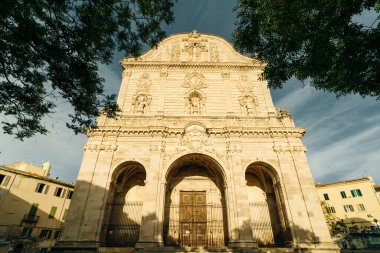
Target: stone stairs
{"x": 211, "y": 250}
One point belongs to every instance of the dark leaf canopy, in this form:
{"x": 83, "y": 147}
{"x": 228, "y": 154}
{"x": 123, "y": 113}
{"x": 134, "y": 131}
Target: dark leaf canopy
{"x": 52, "y": 48}
{"x": 318, "y": 39}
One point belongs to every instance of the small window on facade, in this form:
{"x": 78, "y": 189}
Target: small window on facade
{"x": 57, "y": 234}
{"x": 60, "y": 192}
{"x": 360, "y": 207}
{"x": 343, "y": 194}
{"x": 70, "y": 194}
{"x": 45, "y": 233}
{"x": 64, "y": 215}
{"x": 53, "y": 210}
{"x": 26, "y": 232}
{"x": 326, "y": 196}
{"x": 4, "y": 180}
{"x": 356, "y": 193}
{"x": 42, "y": 188}
{"x": 330, "y": 209}
{"x": 348, "y": 208}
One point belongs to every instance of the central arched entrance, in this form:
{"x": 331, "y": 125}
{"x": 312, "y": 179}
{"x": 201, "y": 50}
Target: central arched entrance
{"x": 195, "y": 206}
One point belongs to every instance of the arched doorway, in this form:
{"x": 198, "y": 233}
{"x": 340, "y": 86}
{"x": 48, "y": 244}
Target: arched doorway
{"x": 124, "y": 205}
{"x": 195, "y": 206}
{"x": 268, "y": 221}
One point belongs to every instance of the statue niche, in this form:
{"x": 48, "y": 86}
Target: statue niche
{"x": 141, "y": 103}
{"x": 195, "y": 103}
{"x": 248, "y": 105}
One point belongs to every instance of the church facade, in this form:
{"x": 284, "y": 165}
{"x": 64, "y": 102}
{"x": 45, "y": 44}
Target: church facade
{"x": 199, "y": 156}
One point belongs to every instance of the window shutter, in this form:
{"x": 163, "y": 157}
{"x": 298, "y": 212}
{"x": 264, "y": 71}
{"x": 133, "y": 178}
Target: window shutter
{"x": 55, "y": 192}
{"x": 53, "y": 210}
{"x": 63, "y": 193}
{"x": 38, "y": 186}
{"x": 360, "y": 193}
{"x": 46, "y": 189}
{"x": 352, "y": 193}
{"x": 6, "y": 180}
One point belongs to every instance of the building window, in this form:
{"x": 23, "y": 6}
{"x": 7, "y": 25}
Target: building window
{"x": 53, "y": 210}
{"x": 42, "y": 188}
{"x": 330, "y": 209}
{"x": 348, "y": 208}
{"x": 43, "y": 250}
{"x": 70, "y": 194}
{"x": 33, "y": 210}
{"x": 57, "y": 234}
{"x": 26, "y": 232}
{"x": 343, "y": 194}
{"x": 326, "y": 196}
{"x": 356, "y": 193}
{"x": 45, "y": 233}
{"x": 59, "y": 192}
{"x": 64, "y": 214}
{"x": 360, "y": 207}
{"x": 4, "y": 180}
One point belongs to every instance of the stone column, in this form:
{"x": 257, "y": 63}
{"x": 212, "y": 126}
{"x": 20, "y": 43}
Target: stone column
{"x": 150, "y": 220}
{"x": 243, "y": 228}
{"x": 322, "y": 238}
{"x": 85, "y": 213}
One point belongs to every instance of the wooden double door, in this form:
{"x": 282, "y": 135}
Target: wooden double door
{"x": 193, "y": 218}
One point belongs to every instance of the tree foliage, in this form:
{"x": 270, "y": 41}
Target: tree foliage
{"x": 51, "y": 49}
{"x": 318, "y": 39}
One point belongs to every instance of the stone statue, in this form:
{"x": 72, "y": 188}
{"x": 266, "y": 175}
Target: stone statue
{"x": 195, "y": 105}
{"x": 142, "y": 104}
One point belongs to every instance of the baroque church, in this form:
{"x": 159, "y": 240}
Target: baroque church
{"x": 198, "y": 157}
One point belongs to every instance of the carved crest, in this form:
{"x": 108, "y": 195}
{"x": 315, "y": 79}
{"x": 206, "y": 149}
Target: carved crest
{"x": 144, "y": 83}
{"x": 194, "y": 80}
{"x": 196, "y": 138}
{"x": 244, "y": 84}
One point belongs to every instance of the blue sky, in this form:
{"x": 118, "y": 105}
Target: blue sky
{"x": 343, "y": 135}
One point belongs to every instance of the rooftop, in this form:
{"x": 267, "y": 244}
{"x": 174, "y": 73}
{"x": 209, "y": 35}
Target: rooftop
{"x": 346, "y": 182}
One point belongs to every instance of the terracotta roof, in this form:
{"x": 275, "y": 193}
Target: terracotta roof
{"x": 345, "y": 181}
{"x": 376, "y": 186}
{"x": 56, "y": 181}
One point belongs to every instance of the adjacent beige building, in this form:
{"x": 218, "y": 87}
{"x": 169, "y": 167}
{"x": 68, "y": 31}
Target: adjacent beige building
{"x": 33, "y": 207}
{"x": 199, "y": 156}
{"x": 355, "y": 201}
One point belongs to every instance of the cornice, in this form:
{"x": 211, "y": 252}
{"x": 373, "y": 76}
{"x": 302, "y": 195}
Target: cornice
{"x": 177, "y": 131}
{"x": 158, "y": 64}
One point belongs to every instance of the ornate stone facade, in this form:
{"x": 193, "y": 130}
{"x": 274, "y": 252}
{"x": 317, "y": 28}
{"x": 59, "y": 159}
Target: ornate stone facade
{"x": 199, "y": 156}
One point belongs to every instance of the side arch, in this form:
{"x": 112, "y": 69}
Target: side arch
{"x": 269, "y": 223}
{"x": 123, "y": 212}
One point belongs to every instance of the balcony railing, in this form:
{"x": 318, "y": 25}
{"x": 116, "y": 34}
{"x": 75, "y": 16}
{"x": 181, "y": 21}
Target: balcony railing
{"x": 30, "y": 218}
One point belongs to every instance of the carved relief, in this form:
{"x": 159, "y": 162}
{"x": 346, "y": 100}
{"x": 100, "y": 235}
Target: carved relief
{"x": 195, "y": 46}
{"x": 195, "y": 103}
{"x": 141, "y": 100}
{"x": 175, "y": 52}
{"x": 248, "y": 102}
{"x": 144, "y": 83}
{"x": 100, "y": 147}
{"x": 194, "y": 80}
{"x": 141, "y": 103}
{"x": 214, "y": 53}
{"x": 248, "y": 105}
{"x": 244, "y": 85}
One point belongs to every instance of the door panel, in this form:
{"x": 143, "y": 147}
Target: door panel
{"x": 193, "y": 218}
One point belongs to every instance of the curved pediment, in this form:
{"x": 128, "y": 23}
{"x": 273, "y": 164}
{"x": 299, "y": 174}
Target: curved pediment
{"x": 193, "y": 47}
